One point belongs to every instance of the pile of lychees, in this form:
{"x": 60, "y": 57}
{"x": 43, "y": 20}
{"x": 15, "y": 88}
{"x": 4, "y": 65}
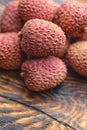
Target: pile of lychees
{"x": 40, "y": 29}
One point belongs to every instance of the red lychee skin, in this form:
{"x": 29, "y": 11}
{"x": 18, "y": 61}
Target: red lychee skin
{"x": 72, "y": 18}
{"x": 10, "y": 52}
{"x": 83, "y": 37}
{"x": 42, "y": 9}
{"x": 77, "y": 57}
{"x": 10, "y": 20}
{"x": 43, "y": 73}
{"x": 43, "y": 38}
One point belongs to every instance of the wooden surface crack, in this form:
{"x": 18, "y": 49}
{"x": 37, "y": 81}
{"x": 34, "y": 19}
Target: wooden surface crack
{"x": 33, "y": 107}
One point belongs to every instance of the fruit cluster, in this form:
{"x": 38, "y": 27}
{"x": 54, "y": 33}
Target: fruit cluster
{"x": 41, "y": 29}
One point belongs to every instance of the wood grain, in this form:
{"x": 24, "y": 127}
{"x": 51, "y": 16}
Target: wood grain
{"x": 16, "y": 116}
{"x": 65, "y": 104}
{"x": 61, "y": 108}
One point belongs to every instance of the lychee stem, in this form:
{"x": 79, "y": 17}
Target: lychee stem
{"x": 22, "y": 74}
{"x": 19, "y": 34}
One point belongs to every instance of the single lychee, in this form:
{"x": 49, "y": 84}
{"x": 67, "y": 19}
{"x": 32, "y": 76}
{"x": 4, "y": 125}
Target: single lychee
{"x": 42, "y": 9}
{"x": 10, "y": 52}
{"x": 43, "y": 73}
{"x": 43, "y": 38}
{"x": 77, "y": 57}
{"x": 10, "y": 19}
{"x": 72, "y": 18}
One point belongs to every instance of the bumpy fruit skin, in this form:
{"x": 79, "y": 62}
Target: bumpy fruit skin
{"x": 72, "y": 18}
{"x": 83, "y": 37}
{"x": 43, "y": 38}
{"x": 42, "y": 9}
{"x": 10, "y": 20}
{"x": 10, "y": 52}
{"x": 77, "y": 57}
{"x": 44, "y": 73}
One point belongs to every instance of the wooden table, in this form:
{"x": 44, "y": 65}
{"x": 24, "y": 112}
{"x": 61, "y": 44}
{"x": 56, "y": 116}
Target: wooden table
{"x": 62, "y": 108}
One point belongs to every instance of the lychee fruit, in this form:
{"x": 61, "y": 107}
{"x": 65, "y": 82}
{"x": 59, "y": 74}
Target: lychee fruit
{"x": 42, "y": 9}
{"x": 77, "y": 57}
{"x": 43, "y": 38}
{"x": 83, "y": 37}
{"x": 43, "y": 73}
{"x": 10, "y": 52}
{"x": 10, "y": 19}
{"x": 72, "y": 18}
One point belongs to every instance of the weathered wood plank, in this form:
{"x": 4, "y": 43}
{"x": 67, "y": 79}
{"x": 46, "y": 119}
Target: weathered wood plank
{"x": 16, "y": 116}
{"x": 62, "y": 108}
{"x": 64, "y": 104}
